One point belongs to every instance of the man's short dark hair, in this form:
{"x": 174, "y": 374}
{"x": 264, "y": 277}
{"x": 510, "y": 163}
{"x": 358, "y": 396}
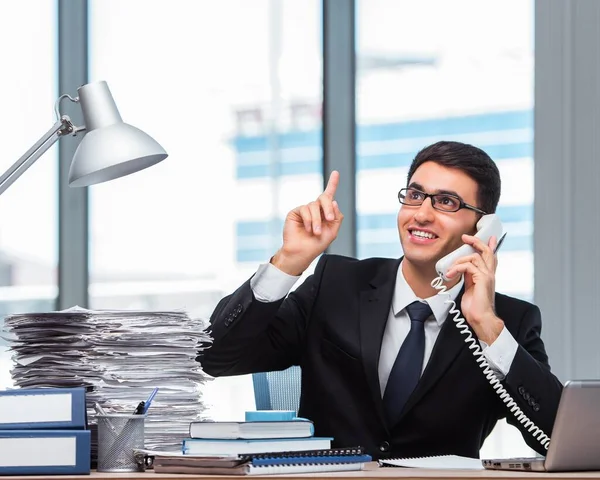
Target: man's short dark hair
{"x": 473, "y": 161}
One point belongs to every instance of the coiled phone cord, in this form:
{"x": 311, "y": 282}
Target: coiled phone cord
{"x": 438, "y": 284}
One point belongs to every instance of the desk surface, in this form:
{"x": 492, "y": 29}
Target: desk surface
{"x": 371, "y": 471}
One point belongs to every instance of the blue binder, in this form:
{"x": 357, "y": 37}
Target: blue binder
{"x": 45, "y": 452}
{"x": 38, "y": 408}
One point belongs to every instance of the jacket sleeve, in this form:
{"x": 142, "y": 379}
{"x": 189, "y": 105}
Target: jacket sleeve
{"x": 534, "y": 388}
{"x": 250, "y": 336}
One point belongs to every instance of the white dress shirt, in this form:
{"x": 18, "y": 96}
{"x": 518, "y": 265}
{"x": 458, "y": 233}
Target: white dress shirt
{"x": 270, "y": 284}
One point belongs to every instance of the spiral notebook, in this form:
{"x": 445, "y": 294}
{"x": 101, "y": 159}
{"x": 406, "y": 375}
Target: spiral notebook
{"x": 327, "y": 460}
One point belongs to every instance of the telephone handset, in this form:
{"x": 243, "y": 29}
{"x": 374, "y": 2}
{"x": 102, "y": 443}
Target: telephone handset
{"x": 487, "y": 226}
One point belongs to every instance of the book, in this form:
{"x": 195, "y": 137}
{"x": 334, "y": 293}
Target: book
{"x": 45, "y": 452}
{"x": 38, "y": 408}
{"x": 252, "y": 430}
{"x": 440, "y": 462}
{"x": 270, "y": 416}
{"x": 200, "y": 446}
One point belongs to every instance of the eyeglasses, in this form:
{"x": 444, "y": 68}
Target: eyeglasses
{"x": 444, "y": 202}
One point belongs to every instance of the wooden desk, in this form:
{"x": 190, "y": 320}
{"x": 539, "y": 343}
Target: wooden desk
{"x": 371, "y": 472}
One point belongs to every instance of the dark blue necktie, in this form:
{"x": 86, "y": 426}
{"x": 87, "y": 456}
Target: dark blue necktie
{"x": 407, "y": 368}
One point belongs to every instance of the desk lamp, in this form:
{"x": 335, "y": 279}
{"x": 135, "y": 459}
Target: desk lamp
{"x": 109, "y": 150}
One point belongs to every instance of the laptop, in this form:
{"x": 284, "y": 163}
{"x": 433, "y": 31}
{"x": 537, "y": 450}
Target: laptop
{"x": 575, "y": 436}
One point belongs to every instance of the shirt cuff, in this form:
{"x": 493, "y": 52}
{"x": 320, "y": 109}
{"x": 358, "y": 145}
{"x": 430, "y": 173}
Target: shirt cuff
{"x": 501, "y": 353}
{"x": 269, "y": 284}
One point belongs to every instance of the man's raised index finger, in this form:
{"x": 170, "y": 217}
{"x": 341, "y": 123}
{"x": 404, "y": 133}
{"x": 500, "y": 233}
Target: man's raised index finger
{"x": 332, "y": 184}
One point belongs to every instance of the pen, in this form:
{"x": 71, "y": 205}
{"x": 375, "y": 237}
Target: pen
{"x": 143, "y": 406}
{"x": 102, "y": 412}
{"x": 139, "y": 409}
{"x": 99, "y": 408}
{"x": 149, "y": 399}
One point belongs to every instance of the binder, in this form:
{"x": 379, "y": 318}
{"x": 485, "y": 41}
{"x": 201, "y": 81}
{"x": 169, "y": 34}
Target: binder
{"x": 39, "y": 408}
{"x": 45, "y": 452}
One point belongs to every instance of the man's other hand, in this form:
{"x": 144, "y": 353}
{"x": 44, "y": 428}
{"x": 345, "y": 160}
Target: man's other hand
{"x": 309, "y": 229}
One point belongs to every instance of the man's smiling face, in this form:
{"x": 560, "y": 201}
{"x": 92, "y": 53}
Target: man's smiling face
{"x": 427, "y": 234}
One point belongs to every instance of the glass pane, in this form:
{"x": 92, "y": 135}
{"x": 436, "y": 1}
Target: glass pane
{"x": 28, "y": 235}
{"x": 438, "y": 70}
{"x": 232, "y": 91}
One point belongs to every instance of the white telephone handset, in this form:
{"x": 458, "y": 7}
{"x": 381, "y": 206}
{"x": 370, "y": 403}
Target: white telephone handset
{"x": 487, "y": 226}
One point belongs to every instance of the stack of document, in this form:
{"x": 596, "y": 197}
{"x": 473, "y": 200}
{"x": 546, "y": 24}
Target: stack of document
{"x": 121, "y": 356}
{"x": 314, "y": 461}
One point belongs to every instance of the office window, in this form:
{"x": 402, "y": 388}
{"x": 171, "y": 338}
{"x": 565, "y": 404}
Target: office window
{"x": 438, "y": 70}
{"x": 28, "y": 231}
{"x": 232, "y": 90}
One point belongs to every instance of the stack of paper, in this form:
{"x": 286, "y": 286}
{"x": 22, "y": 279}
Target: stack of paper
{"x": 120, "y": 356}
{"x": 439, "y": 462}
{"x": 313, "y": 461}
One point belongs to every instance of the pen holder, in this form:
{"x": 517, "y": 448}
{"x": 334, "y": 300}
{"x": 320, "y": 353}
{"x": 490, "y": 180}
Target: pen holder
{"x": 118, "y": 436}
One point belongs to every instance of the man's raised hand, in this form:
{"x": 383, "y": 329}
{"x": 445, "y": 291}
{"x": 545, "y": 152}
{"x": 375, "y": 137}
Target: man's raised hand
{"x": 309, "y": 229}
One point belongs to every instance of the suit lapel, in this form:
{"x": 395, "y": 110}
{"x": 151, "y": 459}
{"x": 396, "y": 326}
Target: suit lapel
{"x": 447, "y": 346}
{"x": 375, "y": 304}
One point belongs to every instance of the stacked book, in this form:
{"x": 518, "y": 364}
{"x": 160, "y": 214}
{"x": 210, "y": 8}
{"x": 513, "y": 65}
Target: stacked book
{"x": 267, "y": 442}
{"x": 120, "y": 356}
{"x": 43, "y": 432}
{"x": 261, "y": 432}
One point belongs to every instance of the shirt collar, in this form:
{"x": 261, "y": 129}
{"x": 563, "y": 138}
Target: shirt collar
{"x": 404, "y": 296}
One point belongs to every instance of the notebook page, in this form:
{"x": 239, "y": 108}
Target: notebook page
{"x": 442, "y": 462}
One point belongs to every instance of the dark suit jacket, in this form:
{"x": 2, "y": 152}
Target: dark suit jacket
{"x": 333, "y": 325}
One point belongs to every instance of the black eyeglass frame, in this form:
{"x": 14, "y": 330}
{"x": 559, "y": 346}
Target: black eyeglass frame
{"x": 461, "y": 203}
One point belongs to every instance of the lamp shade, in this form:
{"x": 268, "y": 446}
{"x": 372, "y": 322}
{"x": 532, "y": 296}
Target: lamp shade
{"x": 110, "y": 148}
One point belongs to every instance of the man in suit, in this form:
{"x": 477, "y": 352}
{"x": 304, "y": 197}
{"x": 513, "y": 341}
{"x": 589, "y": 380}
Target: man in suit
{"x": 383, "y": 364}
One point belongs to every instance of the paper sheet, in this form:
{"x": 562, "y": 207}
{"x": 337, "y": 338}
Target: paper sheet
{"x": 442, "y": 462}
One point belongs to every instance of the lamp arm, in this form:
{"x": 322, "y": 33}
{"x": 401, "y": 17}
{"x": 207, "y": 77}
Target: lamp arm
{"x": 62, "y": 127}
